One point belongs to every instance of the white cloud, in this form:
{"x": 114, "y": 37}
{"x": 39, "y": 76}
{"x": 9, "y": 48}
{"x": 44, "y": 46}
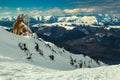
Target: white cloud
{"x": 6, "y": 13}
{"x": 57, "y": 11}
{"x": 54, "y": 11}
{"x": 72, "y": 11}
{"x": 35, "y": 12}
{"x": 78, "y": 10}
{"x": 19, "y": 10}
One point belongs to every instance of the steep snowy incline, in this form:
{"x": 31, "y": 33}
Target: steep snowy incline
{"x": 44, "y": 54}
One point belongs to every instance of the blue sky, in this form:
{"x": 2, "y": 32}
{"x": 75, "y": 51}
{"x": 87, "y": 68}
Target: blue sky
{"x": 58, "y": 7}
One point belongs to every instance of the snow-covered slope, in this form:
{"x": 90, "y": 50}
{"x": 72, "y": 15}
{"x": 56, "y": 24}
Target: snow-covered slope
{"x": 15, "y": 66}
{"x": 6, "y": 28}
{"x": 16, "y": 70}
{"x": 63, "y": 60}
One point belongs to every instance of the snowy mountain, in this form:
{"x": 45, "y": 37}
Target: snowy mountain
{"x": 47, "y": 61}
{"x": 63, "y": 31}
{"x": 84, "y": 19}
{"x": 67, "y": 21}
{"x": 8, "y": 18}
{"x": 13, "y": 47}
{"x": 101, "y": 43}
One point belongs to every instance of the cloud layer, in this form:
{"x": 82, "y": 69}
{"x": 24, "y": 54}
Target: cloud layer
{"x": 78, "y": 10}
{"x": 100, "y": 5}
{"x": 6, "y": 13}
{"x": 70, "y": 7}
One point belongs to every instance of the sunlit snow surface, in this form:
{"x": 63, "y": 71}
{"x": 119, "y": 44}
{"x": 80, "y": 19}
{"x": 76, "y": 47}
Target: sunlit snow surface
{"x": 15, "y": 70}
{"x": 15, "y": 66}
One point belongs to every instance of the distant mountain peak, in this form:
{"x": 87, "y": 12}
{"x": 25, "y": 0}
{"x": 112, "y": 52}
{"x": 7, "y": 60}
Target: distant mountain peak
{"x": 93, "y": 19}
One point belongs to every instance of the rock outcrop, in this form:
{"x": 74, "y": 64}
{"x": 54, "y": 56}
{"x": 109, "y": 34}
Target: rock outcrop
{"x": 21, "y": 25}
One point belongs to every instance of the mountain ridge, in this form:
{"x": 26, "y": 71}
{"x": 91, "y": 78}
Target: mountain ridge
{"x": 60, "y": 58}
{"x": 99, "y": 20}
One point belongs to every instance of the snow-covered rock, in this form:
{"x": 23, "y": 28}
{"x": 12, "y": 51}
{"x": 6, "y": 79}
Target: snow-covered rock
{"x": 21, "y": 25}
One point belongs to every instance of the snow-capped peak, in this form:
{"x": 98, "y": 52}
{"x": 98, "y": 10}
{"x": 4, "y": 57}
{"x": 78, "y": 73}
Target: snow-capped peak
{"x": 7, "y": 18}
{"x": 37, "y": 18}
{"x": 89, "y": 19}
{"x": 47, "y": 17}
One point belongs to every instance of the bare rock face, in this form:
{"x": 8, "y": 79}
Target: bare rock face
{"x": 21, "y": 25}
